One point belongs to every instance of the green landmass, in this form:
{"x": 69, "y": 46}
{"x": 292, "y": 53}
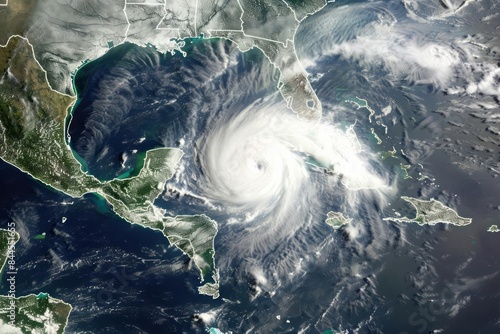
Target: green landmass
{"x": 389, "y": 154}
{"x": 34, "y": 314}
{"x": 32, "y": 123}
{"x": 194, "y": 235}
{"x": 32, "y": 138}
{"x": 337, "y": 219}
{"x": 137, "y": 193}
{"x": 41, "y": 236}
{"x": 493, "y": 228}
{"x": 431, "y": 213}
{"x": 405, "y": 169}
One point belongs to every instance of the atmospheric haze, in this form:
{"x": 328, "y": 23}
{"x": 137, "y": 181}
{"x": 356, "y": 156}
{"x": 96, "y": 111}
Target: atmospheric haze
{"x": 414, "y": 51}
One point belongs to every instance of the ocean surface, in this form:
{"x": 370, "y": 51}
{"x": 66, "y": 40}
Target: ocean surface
{"x": 373, "y": 276}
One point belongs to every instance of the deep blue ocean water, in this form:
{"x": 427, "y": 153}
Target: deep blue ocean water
{"x": 118, "y": 277}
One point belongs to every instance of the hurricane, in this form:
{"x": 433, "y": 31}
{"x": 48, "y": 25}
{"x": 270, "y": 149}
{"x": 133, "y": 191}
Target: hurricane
{"x": 267, "y": 176}
{"x": 273, "y": 177}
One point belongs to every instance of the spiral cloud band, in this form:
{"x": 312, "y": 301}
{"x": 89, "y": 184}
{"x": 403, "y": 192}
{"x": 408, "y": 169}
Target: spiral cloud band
{"x": 271, "y": 173}
{"x": 259, "y": 157}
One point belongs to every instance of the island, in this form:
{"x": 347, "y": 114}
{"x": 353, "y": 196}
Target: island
{"x": 493, "y": 228}
{"x": 34, "y": 314}
{"x": 431, "y": 212}
{"x": 337, "y": 219}
{"x": 31, "y": 314}
{"x": 32, "y": 138}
